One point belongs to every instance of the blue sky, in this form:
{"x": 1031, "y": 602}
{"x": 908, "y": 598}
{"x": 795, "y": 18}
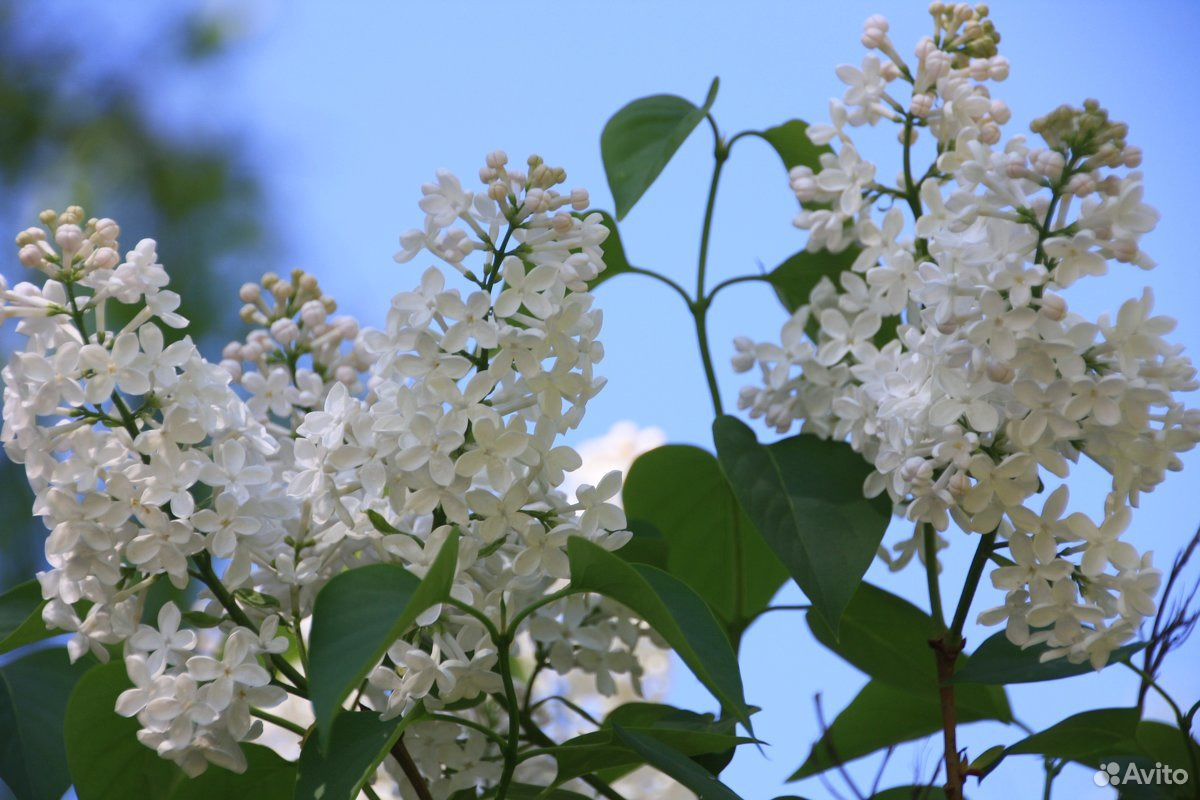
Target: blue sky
{"x": 348, "y": 108}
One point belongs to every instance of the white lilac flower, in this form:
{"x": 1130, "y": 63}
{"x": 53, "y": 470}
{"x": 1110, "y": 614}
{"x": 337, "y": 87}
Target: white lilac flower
{"x": 991, "y": 387}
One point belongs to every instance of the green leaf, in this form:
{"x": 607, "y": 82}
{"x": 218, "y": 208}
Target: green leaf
{"x": 804, "y": 494}
{"x": 795, "y": 278}
{"x": 357, "y": 616}
{"x": 107, "y": 761}
{"x": 999, "y": 661}
{"x": 21, "y": 617}
{"x": 881, "y": 716}
{"x": 380, "y": 524}
{"x": 677, "y": 613}
{"x": 887, "y": 637}
{"x": 675, "y": 764}
{"x": 33, "y": 704}
{"x": 791, "y": 142}
{"x": 267, "y": 777}
{"x": 1086, "y": 737}
{"x": 358, "y": 744}
{"x": 525, "y": 791}
{"x": 988, "y": 760}
{"x": 713, "y": 546}
{"x": 605, "y": 750}
{"x": 646, "y": 546}
{"x": 641, "y": 138}
{"x": 613, "y": 249}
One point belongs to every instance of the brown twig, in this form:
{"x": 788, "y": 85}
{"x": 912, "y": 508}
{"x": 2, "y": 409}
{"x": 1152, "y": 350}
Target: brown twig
{"x": 411, "y": 771}
{"x": 947, "y": 653}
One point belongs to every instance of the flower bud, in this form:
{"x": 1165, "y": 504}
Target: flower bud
{"x": 1131, "y": 156}
{"x": 1054, "y": 307}
{"x": 580, "y": 199}
{"x": 31, "y": 256}
{"x": 312, "y": 313}
{"x": 285, "y": 331}
{"x": 69, "y": 238}
{"x": 250, "y": 293}
{"x": 234, "y": 368}
{"x": 1000, "y": 112}
{"x": 959, "y": 484}
{"x": 104, "y": 258}
{"x": 921, "y": 105}
{"x": 496, "y": 159}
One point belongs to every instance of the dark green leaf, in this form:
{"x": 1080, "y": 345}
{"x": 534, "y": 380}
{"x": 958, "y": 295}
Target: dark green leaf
{"x": 795, "y": 278}
{"x": 804, "y": 494}
{"x": 646, "y": 546}
{"x": 988, "y": 760}
{"x": 380, "y": 524}
{"x": 713, "y": 546}
{"x": 525, "y": 791}
{"x": 885, "y": 636}
{"x": 33, "y": 704}
{"x": 999, "y": 661}
{"x": 21, "y": 617}
{"x": 604, "y": 749}
{"x": 615, "y": 260}
{"x": 358, "y": 615}
{"x": 677, "y": 613}
{"x": 675, "y": 764}
{"x": 267, "y": 777}
{"x": 883, "y": 715}
{"x": 1086, "y": 737}
{"x": 106, "y": 759}
{"x": 791, "y": 142}
{"x": 641, "y": 138}
{"x": 359, "y": 742}
{"x": 658, "y": 715}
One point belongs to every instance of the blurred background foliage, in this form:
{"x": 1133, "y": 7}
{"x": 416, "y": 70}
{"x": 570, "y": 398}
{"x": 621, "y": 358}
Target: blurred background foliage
{"x": 79, "y": 124}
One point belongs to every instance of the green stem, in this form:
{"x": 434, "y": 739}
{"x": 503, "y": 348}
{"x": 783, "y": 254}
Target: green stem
{"x": 511, "y": 749}
{"x": 286, "y": 724}
{"x": 524, "y": 613}
{"x": 209, "y": 578}
{"x": 538, "y": 737}
{"x": 732, "y": 281}
{"x": 699, "y": 306}
{"x": 663, "y": 279}
{"x": 986, "y": 542}
{"x": 931, "y": 577}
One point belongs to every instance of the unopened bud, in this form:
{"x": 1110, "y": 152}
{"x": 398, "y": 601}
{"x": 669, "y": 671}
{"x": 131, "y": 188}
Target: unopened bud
{"x": 70, "y": 238}
{"x": 1054, "y": 307}
{"x": 31, "y": 256}
{"x": 250, "y": 293}
{"x": 580, "y": 199}
{"x": 285, "y": 331}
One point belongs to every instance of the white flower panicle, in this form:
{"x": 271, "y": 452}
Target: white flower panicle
{"x": 951, "y": 360}
{"x": 314, "y": 447}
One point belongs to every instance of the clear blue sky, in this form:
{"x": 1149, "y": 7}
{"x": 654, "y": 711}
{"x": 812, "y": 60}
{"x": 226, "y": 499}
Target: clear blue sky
{"x": 350, "y": 107}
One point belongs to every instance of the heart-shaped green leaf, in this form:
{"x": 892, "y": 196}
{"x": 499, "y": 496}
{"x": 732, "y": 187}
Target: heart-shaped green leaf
{"x": 805, "y": 496}
{"x": 640, "y": 139}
